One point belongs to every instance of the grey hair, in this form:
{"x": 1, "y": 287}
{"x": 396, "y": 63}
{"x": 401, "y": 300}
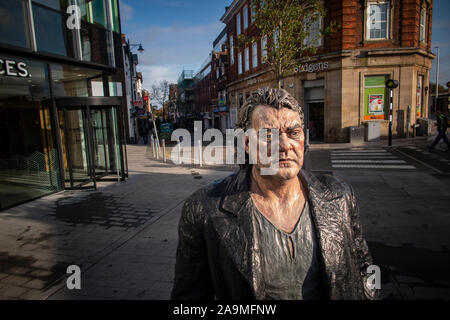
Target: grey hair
{"x": 276, "y": 98}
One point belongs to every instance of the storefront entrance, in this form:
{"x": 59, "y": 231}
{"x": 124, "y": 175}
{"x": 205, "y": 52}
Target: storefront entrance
{"x": 316, "y": 121}
{"x": 91, "y": 144}
{"x": 315, "y": 109}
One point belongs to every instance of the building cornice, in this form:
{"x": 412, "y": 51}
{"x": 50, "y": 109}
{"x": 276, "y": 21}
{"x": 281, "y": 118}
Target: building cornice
{"x": 231, "y": 10}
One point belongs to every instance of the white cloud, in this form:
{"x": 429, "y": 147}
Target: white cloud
{"x": 170, "y": 49}
{"x": 154, "y": 74}
{"x": 126, "y": 11}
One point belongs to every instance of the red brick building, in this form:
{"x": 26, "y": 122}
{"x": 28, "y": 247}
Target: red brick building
{"x": 203, "y": 93}
{"x": 342, "y": 86}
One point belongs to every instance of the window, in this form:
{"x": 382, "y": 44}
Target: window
{"x": 238, "y": 23}
{"x": 50, "y": 32}
{"x": 239, "y": 62}
{"x": 252, "y": 13}
{"x": 231, "y": 50}
{"x": 419, "y": 99}
{"x": 314, "y": 37}
{"x": 423, "y": 17}
{"x": 245, "y": 17}
{"x": 378, "y": 20}
{"x": 13, "y": 28}
{"x": 255, "y": 55}
{"x": 276, "y": 36}
{"x": 246, "y": 66}
{"x": 264, "y": 48}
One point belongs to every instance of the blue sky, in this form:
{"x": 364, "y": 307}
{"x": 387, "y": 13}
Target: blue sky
{"x": 174, "y": 34}
{"x": 441, "y": 38}
{"x": 179, "y": 34}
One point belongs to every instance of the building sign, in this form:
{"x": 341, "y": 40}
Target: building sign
{"x": 312, "y": 67}
{"x": 14, "y": 69}
{"x": 375, "y": 104}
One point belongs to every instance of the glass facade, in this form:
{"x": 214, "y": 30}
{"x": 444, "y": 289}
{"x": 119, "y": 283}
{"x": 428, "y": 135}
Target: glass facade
{"x": 51, "y": 34}
{"x": 97, "y": 39}
{"x": 13, "y": 23}
{"x": 29, "y": 165}
{"x": 60, "y": 123}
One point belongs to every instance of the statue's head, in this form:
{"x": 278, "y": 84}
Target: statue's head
{"x": 275, "y": 109}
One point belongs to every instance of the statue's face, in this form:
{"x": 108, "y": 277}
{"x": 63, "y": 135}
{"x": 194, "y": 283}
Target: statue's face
{"x": 291, "y": 139}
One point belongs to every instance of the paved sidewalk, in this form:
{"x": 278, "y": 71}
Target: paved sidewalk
{"x": 123, "y": 236}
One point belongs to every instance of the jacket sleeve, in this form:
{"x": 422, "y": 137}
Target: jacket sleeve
{"x": 192, "y": 279}
{"x": 362, "y": 250}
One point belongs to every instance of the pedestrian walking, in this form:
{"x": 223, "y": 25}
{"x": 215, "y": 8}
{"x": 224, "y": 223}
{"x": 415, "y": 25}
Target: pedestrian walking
{"x": 144, "y": 130}
{"x": 442, "y": 125}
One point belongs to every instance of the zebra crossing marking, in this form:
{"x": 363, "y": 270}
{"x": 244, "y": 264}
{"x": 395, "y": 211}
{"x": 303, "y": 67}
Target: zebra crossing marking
{"x": 367, "y": 159}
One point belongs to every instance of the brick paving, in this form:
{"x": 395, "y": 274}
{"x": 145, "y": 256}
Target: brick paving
{"x": 123, "y": 235}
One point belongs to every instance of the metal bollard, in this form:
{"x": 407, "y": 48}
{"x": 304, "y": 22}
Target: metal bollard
{"x": 153, "y": 147}
{"x": 164, "y": 149}
{"x": 157, "y": 148}
{"x": 200, "y": 160}
{"x": 179, "y": 151}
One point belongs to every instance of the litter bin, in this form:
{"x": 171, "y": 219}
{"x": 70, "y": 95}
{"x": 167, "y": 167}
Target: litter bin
{"x": 372, "y": 131}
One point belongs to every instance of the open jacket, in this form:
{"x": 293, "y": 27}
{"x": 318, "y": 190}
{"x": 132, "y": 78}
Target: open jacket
{"x": 218, "y": 256}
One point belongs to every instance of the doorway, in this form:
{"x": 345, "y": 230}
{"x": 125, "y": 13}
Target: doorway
{"x": 92, "y": 147}
{"x": 314, "y": 95}
{"x": 316, "y": 121}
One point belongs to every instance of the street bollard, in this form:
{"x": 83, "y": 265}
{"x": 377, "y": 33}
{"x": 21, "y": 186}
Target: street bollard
{"x": 164, "y": 149}
{"x": 153, "y": 147}
{"x": 179, "y": 151}
{"x": 157, "y": 149}
{"x": 200, "y": 160}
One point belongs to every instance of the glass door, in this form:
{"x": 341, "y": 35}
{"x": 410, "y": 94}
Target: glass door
{"x": 75, "y": 142}
{"x": 91, "y": 141}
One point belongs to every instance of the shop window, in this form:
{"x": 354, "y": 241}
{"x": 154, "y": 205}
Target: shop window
{"x": 29, "y": 165}
{"x": 13, "y": 23}
{"x": 423, "y": 18}
{"x": 378, "y": 24}
{"x": 246, "y": 65}
{"x": 314, "y": 37}
{"x": 245, "y": 17}
{"x": 255, "y": 55}
{"x": 376, "y": 98}
{"x": 238, "y": 23}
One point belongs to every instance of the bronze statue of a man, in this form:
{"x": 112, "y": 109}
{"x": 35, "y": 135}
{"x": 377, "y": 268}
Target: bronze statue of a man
{"x": 287, "y": 235}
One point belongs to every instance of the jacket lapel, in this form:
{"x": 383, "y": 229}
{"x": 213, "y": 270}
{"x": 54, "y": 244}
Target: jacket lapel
{"x": 325, "y": 213}
{"x": 236, "y": 232}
